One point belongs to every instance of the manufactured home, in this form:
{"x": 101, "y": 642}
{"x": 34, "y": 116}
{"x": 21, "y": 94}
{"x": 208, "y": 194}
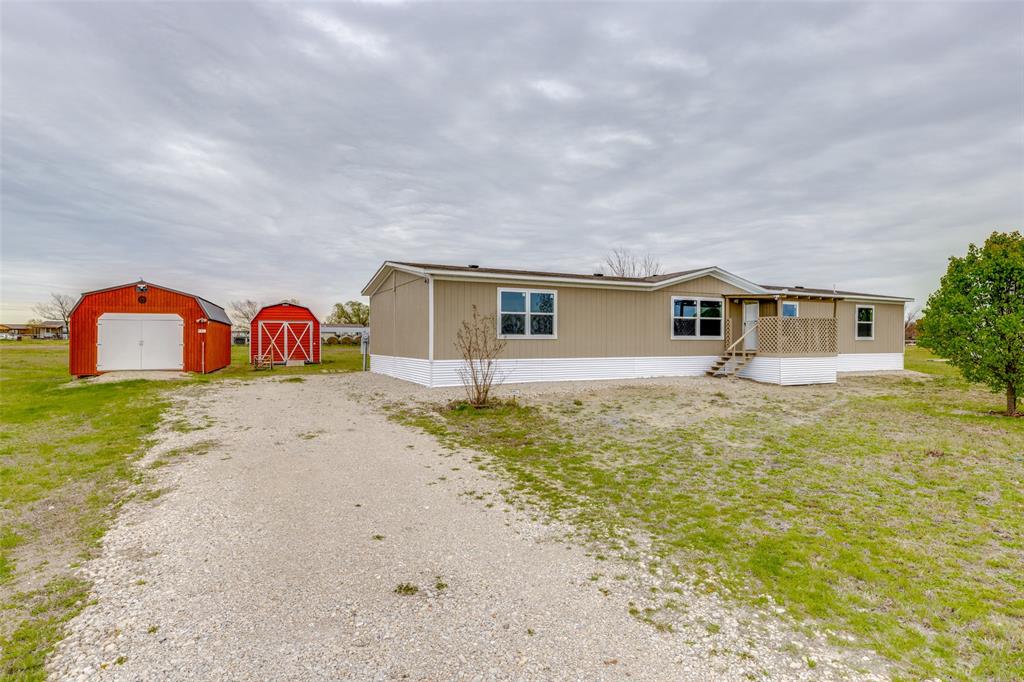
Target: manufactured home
{"x": 564, "y": 327}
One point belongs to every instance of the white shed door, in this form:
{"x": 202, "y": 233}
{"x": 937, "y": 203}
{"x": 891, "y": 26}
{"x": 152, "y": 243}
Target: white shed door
{"x": 137, "y": 341}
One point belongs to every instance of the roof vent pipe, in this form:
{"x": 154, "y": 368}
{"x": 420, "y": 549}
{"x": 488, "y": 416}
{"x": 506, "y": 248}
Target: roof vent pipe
{"x": 474, "y": 266}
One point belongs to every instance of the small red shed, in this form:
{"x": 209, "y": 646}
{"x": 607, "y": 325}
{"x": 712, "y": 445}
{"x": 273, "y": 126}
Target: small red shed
{"x": 147, "y": 326}
{"x": 287, "y": 332}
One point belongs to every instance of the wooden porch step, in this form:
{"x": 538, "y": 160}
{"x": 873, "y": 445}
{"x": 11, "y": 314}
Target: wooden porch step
{"x": 718, "y": 367}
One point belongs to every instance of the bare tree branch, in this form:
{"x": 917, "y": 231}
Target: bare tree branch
{"x": 624, "y": 263}
{"x": 478, "y": 343}
{"x": 242, "y": 312}
{"x": 59, "y": 307}
{"x": 910, "y": 323}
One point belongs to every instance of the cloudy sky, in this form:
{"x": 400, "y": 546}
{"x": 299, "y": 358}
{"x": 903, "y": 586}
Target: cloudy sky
{"x": 282, "y": 150}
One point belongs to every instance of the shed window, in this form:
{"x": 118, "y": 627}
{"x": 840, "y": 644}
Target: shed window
{"x": 526, "y": 313}
{"x": 696, "y": 318}
{"x": 790, "y": 309}
{"x": 865, "y": 323}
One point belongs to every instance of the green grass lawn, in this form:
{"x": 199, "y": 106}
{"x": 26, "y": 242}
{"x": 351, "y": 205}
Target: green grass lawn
{"x": 888, "y": 510}
{"x": 65, "y": 467}
{"x": 333, "y": 358}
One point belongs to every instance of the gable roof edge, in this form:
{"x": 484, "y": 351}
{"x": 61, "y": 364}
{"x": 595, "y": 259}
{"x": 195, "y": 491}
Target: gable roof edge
{"x": 718, "y": 273}
{"x": 373, "y": 285}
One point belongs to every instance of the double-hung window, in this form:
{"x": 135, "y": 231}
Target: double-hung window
{"x": 526, "y": 313}
{"x": 865, "y": 323}
{"x": 790, "y": 309}
{"x": 697, "y": 318}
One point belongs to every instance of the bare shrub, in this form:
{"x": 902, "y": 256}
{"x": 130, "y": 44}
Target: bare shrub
{"x": 478, "y": 344}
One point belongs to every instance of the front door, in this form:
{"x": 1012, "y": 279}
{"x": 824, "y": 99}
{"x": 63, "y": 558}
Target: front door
{"x": 750, "y": 315}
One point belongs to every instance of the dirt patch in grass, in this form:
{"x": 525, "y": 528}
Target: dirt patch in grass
{"x": 117, "y": 377}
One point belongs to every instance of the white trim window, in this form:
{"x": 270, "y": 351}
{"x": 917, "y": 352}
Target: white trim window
{"x": 697, "y": 318}
{"x": 790, "y": 308}
{"x": 864, "y": 323}
{"x": 527, "y": 314}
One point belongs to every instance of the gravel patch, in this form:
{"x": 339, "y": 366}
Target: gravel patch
{"x": 303, "y": 535}
{"x": 129, "y": 375}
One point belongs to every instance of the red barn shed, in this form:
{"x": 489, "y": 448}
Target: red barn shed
{"x": 287, "y": 332}
{"x": 146, "y": 326}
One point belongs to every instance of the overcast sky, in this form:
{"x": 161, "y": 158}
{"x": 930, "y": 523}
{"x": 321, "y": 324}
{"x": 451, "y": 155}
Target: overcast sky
{"x": 282, "y": 150}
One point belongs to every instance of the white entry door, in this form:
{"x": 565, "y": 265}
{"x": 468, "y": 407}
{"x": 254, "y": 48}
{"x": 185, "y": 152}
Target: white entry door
{"x": 127, "y": 341}
{"x": 750, "y": 315}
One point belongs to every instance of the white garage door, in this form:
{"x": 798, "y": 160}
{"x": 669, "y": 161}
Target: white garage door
{"x": 133, "y": 341}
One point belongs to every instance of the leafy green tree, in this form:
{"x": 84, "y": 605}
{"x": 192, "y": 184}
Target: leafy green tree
{"x": 352, "y": 312}
{"x": 976, "y": 318}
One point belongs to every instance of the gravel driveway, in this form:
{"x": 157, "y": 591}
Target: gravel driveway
{"x": 277, "y": 554}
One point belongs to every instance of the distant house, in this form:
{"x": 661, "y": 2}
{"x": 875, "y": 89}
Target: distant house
{"x": 47, "y": 329}
{"x": 51, "y": 329}
{"x": 13, "y": 332}
{"x": 560, "y": 326}
{"x": 341, "y": 331}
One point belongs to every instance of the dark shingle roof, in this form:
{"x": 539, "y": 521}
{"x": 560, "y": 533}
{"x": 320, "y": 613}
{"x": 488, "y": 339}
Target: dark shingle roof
{"x": 827, "y": 292}
{"x": 538, "y": 273}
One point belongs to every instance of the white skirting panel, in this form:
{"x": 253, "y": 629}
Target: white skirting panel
{"x": 812, "y": 370}
{"x": 580, "y": 369}
{"x": 786, "y": 371}
{"x": 869, "y": 362}
{"x": 409, "y": 369}
{"x": 791, "y": 371}
{"x": 765, "y": 370}
{"x": 446, "y": 372}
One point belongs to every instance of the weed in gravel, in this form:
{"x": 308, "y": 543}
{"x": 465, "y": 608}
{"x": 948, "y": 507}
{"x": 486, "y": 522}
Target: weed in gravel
{"x": 378, "y": 537}
{"x": 195, "y": 450}
{"x": 152, "y": 630}
{"x": 406, "y": 589}
{"x": 291, "y": 380}
{"x": 440, "y": 584}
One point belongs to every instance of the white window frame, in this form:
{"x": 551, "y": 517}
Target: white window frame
{"x": 857, "y": 322}
{"x": 782, "y": 308}
{"x": 699, "y": 299}
{"x": 528, "y": 334}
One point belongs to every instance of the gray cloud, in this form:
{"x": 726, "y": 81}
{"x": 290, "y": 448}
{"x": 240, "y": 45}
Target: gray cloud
{"x": 278, "y": 150}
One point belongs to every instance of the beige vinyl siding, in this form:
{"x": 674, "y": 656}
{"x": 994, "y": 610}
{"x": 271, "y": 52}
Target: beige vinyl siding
{"x": 399, "y": 312}
{"x": 888, "y": 328}
{"x": 813, "y": 308}
{"x": 591, "y": 322}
